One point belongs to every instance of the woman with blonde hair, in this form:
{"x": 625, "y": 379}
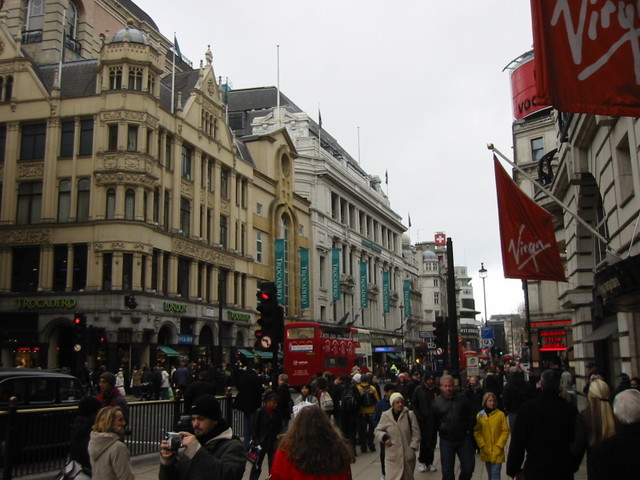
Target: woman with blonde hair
{"x": 491, "y": 433}
{"x": 313, "y": 448}
{"x": 595, "y": 423}
{"x": 108, "y": 454}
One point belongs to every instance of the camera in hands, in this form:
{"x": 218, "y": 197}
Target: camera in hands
{"x": 174, "y": 440}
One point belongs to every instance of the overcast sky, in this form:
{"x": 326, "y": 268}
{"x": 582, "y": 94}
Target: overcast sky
{"x": 415, "y": 88}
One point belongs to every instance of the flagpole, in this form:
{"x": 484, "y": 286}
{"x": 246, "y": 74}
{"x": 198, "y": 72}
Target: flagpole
{"x": 278, "y": 86}
{"x": 597, "y": 234}
{"x": 173, "y": 76}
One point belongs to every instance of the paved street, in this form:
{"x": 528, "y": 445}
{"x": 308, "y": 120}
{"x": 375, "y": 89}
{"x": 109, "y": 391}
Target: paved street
{"x": 367, "y": 467}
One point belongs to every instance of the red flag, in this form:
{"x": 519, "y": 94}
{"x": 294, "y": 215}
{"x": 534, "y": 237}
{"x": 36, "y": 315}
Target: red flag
{"x": 587, "y": 58}
{"x": 440, "y": 238}
{"x": 529, "y": 248}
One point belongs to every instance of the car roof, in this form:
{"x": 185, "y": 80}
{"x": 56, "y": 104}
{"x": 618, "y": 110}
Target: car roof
{"x": 31, "y": 372}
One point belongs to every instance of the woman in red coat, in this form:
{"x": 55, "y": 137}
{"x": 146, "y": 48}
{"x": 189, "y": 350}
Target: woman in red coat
{"x": 312, "y": 449}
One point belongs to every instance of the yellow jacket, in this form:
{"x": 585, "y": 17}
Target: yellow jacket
{"x": 491, "y": 433}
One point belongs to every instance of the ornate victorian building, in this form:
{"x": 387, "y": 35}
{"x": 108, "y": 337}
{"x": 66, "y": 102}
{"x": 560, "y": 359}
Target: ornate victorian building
{"x": 126, "y": 202}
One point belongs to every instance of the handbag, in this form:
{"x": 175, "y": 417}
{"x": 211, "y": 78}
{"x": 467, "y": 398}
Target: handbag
{"x": 73, "y": 471}
{"x": 254, "y": 452}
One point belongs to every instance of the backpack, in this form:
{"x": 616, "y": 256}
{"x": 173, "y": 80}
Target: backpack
{"x": 368, "y": 397}
{"x": 348, "y": 401}
{"x": 326, "y": 402}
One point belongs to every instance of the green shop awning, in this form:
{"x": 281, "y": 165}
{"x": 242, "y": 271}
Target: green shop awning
{"x": 168, "y": 351}
{"x": 246, "y": 353}
{"x": 264, "y": 354}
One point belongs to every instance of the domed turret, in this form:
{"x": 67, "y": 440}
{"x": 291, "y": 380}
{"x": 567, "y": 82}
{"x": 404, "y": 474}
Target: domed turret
{"x": 429, "y": 256}
{"x": 130, "y": 34}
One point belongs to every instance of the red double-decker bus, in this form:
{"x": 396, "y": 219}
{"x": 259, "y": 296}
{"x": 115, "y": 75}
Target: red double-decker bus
{"x": 310, "y": 348}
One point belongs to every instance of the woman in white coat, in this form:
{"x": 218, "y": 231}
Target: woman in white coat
{"x": 399, "y": 431}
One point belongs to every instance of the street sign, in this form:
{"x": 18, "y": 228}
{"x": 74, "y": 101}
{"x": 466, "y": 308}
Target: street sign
{"x": 426, "y": 334}
{"x": 438, "y": 351}
{"x": 486, "y": 342}
{"x": 265, "y": 342}
{"x": 431, "y": 345}
{"x": 473, "y": 365}
{"x": 487, "y": 332}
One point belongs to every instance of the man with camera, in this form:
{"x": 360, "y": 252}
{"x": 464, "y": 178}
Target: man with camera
{"x": 211, "y": 452}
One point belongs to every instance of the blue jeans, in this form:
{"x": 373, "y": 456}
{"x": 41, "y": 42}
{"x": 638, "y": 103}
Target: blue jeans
{"x": 493, "y": 470}
{"x": 246, "y": 429}
{"x": 465, "y": 449}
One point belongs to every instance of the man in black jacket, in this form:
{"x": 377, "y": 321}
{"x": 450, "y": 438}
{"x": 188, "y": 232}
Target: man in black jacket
{"x": 213, "y": 452}
{"x": 454, "y": 418}
{"x": 249, "y": 400}
{"x": 422, "y": 403}
{"x": 544, "y": 430}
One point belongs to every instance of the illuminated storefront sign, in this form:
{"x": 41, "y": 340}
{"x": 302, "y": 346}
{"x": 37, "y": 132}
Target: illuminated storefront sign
{"x": 553, "y": 340}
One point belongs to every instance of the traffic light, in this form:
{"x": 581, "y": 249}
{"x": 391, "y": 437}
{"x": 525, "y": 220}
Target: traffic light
{"x": 80, "y": 328}
{"x": 270, "y": 312}
{"x": 438, "y": 332}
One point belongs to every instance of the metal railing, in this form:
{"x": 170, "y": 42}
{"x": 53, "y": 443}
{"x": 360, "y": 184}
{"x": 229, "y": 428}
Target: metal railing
{"x": 37, "y": 440}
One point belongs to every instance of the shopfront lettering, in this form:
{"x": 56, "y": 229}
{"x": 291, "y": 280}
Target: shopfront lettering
{"x": 241, "y": 317}
{"x": 37, "y": 303}
{"x": 174, "y": 307}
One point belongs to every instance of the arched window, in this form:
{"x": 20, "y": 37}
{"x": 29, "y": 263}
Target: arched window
{"x": 71, "y": 28}
{"x": 82, "y": 206}
{"x": 35, "y": 21}
{"x": 111, "y": 204}
{"x": 64, "y": 200}
{"x": 71, "y": 22}
{"x": 129, "y": 204}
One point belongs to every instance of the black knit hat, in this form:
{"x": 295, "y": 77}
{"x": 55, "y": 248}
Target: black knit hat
{"x": 207, "y": 406}
{"x": 109, "y": 378}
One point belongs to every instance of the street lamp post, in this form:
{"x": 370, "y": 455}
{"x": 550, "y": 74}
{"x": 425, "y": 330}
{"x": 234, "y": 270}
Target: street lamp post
{"x": 483, "y": 276}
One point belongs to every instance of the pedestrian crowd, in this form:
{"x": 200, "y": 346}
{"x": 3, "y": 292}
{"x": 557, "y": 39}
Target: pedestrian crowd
{"x": 531, "y": 425}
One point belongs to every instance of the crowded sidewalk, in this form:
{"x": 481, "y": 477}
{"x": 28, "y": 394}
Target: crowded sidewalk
{"x": 366, "y": 467}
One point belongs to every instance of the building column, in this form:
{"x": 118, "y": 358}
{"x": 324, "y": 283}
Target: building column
{"x": 116, "y": 271}
{"x": 49, "y": 187}
{"x": 12, "y": 152}
{"x": 172, "y": 275}
{"x": 193, "y": 279}
{"x": 45, "y": 275}
{"x": 70, "y": 263}
{"x": 5, "y": 269}
{"x": 148, "y": 271}
{"x": 136, "y": 281}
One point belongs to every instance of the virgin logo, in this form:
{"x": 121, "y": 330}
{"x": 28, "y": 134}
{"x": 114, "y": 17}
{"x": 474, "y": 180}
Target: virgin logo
{"x": 607, "y": 21}
{"x": 526, "y": 251}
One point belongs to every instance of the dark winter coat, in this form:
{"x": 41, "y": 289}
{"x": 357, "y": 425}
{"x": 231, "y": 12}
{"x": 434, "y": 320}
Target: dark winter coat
{"x": 422, "y": 405}
{"x": 454, "y": 418}
{"x": 544, "y": 430}
{"x": 250, "y": 389}
{"x": 221, "y": 457}
{"x": 516, "y": 392}
{"x": 616, "y": 456}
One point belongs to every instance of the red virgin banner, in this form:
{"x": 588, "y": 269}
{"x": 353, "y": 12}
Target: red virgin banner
{"x": 587, "y": 55}
{"x": 529, "y": 248}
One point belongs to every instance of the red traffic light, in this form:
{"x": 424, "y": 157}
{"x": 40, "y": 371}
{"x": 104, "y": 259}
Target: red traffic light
{"x": 77, "y": 320}
{"x": 263, "y": 295}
